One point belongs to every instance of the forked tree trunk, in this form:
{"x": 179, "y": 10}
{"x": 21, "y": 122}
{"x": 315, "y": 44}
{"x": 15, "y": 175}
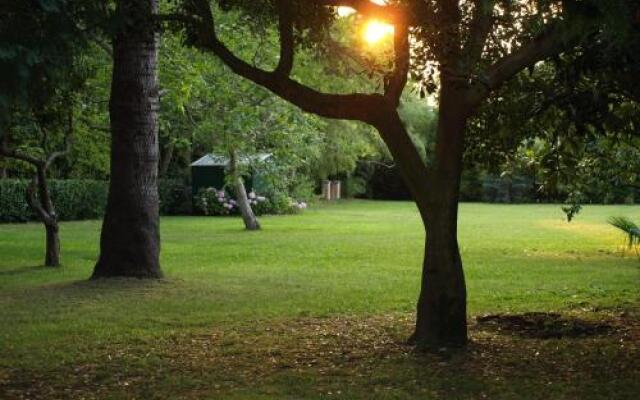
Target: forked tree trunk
{"x": 441, "y": 310}
{"x": 442, "y": 306}
{"x": 130, "y": 240}
{"x": 248, "y": 216}
{"x": 42, "y": 205}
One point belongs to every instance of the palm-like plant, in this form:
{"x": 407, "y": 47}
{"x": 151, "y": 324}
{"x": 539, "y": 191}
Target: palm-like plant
{"x": 631, "y": 230}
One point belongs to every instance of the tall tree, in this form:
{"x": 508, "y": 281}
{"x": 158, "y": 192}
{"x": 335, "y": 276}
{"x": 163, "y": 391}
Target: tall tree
{"x": 130, "y": 240}
{"x": 474, "y": 46}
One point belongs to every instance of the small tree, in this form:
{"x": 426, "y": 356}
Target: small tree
{"x": 38, "y": 196}
{"x": 38, "y": 85}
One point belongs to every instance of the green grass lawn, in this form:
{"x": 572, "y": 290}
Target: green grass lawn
{"x": 317, "y": 305}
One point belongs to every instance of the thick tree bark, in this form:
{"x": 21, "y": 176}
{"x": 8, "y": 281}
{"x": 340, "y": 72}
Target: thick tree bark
{"x": 130, "y": 240}
{"x": 441, "y": 310}
{"x": 248, "y": 216}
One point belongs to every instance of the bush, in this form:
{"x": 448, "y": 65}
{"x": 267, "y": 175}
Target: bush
{"x": 13, "y": 202}
{"x": 211, "y": 201}
{"x": 72, "y": 199}
{"x": 175, "y": 197}
{"x": 630, "y": 229}
{"x": 77, "y": 199}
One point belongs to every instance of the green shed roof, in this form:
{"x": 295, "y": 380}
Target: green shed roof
{"x": 217, "y": 160}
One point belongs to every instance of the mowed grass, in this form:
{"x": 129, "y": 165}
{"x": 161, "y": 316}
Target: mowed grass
{"x": 354, "y": 264}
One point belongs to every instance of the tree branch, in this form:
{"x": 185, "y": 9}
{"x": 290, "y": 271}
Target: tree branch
{"x": 5, "y": 151}
{"x": 398, "y": 78}
{"x": 390, "y": 13}
{"x": 481, "y": 24}
{"x": 355, "y": 106}
{"x": 285, "y": 27}
{"x": 552, "y": 41}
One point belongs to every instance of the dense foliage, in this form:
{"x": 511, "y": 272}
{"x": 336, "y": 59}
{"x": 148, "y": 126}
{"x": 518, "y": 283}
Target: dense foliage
{"x": 74, "y": 199}
{"x": 78, "y": 199}
{"x": 212, "y": 201}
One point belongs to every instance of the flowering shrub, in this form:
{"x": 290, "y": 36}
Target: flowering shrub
{"x": 211, "y": 201}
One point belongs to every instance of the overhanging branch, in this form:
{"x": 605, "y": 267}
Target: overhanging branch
{"x": 552, "y": 41}
{"x": 285, "y": 27}
{"x": 355, "y": 106}
{"x": 481, "y": 23}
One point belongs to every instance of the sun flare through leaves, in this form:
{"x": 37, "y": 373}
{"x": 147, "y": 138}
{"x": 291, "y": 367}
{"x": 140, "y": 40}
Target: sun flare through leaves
{"x": 376, "y": 31}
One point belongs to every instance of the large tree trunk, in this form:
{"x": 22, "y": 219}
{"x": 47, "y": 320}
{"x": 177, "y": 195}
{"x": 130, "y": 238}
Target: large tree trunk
{"x": 248, "y": 217}
{"x": 130, "y": 240}
{"x": 441, "y": 318}
{"x": 441, "y": 312}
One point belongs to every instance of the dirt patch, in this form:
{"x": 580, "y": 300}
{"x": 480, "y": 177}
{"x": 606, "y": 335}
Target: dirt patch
{"x": 544, "y": 325}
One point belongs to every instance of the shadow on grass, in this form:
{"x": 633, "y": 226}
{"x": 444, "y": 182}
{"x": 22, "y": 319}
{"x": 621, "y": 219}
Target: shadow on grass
{"x": 348, "y": 357}
{"x": 24, "y": 270}
{"x": 538, "y": 325}
{"x": 91, "y": 291}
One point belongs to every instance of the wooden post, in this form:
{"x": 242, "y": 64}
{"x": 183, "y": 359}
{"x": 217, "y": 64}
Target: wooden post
{"x": 335, "y": 190}
{"x": 326, "y": 190}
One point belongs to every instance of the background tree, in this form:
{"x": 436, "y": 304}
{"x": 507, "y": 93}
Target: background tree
{"x": 574, "y": 118}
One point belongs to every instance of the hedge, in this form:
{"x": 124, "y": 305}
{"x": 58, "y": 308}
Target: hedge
{"x": 77, "y": 199}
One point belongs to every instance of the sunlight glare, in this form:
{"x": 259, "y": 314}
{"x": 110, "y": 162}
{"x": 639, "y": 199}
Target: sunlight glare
{"x": 345, "y": 11}
{"x": 375, "y": 31}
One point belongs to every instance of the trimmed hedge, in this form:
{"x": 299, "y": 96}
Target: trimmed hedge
{"x": 73, "y": 199}
{"x": 175, "y": 197}
{"x": 77, "y": 199}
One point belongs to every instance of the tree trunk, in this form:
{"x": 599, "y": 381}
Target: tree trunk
{"x": 52, "y": 255}
{"x": 441, "y": 318}
{"x": 42, "y": 206}
{"x": 167, "y": 157}
{"x": 250, "y": 221}
{"x": 130, "y": 240}
{"x": 3, "y": 162}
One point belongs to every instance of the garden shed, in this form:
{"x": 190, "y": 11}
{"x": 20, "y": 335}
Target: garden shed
{"x": 210, "y": 171}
